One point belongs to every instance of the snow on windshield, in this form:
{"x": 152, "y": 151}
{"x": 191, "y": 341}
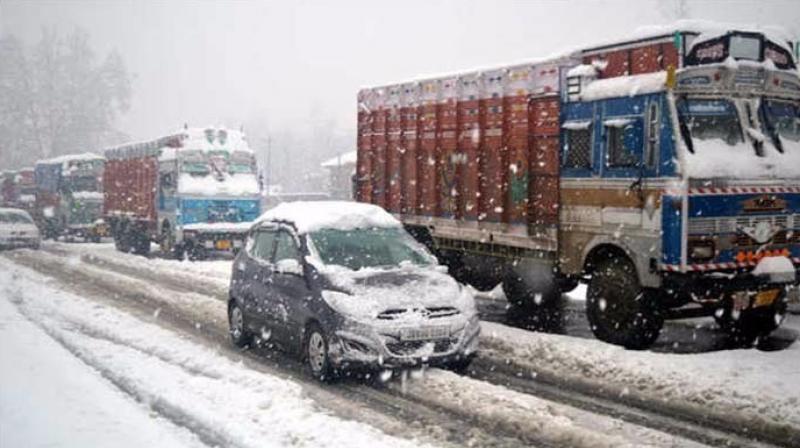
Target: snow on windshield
{"x": 361, "y": 248}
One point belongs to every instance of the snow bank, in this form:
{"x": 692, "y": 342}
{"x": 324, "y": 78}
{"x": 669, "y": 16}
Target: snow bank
{"x": 341, "y": 215}
{"x": 50, "y": 398}
{"x": 210, "y": 185}
{"x": 624, "y": 86}
{"x": 749, "y": 385}
{"x": 226, "y": 402}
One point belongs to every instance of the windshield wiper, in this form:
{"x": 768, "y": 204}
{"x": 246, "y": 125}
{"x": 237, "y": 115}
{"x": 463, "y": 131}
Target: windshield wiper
{"x": 771, "y": 131}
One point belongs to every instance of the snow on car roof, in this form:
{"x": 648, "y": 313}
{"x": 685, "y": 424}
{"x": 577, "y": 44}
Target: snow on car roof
{"x": 310, "y": 216}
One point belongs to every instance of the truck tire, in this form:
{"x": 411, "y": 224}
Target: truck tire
{"x": 140, "y": 242}
{"x": 619, "y": 309}
{"x": 748, "y": 325}
{"x": 122, "y": 237}
{"x": 167, "y": 241}
{"x": 534, "y": 296}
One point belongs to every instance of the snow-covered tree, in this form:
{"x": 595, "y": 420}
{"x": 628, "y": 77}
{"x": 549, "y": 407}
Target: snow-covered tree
{"x": 58, "y": 97}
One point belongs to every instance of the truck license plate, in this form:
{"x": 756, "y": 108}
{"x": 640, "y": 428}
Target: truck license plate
{"x": 424, "y": 333}
{"x": 223, "y": 244}
{"x": 766, "y": 298}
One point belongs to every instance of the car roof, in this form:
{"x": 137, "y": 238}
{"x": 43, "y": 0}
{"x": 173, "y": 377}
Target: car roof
{"x": 310, "y": 216}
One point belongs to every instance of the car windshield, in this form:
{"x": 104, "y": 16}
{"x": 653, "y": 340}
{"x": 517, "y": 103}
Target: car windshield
{"x": 782, "y": 119}
{"x": 709, "y": 120}
{"x": 363, "y": 248}
{"x": 14, "y": 218}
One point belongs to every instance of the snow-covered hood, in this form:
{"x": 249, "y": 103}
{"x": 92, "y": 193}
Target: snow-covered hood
{"x": 401, "y": 295}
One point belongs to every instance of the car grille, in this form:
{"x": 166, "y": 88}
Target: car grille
{"x": 408, "y": 348}
{"x": 430, "y": 312}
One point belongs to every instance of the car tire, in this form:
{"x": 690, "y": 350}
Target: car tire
{"x": 240, "y": 336}
{"x": 620, "y": 311}
{"x": 315, "y": 353}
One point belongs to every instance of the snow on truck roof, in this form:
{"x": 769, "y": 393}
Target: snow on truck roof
{"x": 200, "y": 138}
{"x": 570, "y": 56}
{"x": 310, "y": 216}
{"x": 85, "y": 157}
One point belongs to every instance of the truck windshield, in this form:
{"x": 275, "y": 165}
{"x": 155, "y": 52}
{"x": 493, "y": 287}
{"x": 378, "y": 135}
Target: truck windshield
{"x": 702, "y": 120}
{"x": 194, "y": 162}
{"x": 363, "y": 248}
{"x": 241, "y": 162}
{"x": 782, "y": 120}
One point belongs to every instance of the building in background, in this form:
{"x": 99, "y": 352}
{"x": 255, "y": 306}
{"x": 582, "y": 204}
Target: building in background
{"x": 340, "y": 171}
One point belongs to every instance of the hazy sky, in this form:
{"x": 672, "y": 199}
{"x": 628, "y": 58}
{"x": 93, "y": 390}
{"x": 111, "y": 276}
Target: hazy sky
{"x": 274, "y": 63}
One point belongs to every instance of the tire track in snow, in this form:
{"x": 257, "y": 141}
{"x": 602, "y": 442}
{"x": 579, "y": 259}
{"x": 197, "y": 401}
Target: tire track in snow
{"x": 676, "y": 417}
{"x": 465, "y": 413}
{"x": 428, "y": 423}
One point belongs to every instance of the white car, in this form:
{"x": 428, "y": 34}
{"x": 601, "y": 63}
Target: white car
{"x": 17, "y": 229}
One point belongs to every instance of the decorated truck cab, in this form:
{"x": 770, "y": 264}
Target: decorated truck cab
{"x": 69, "y": 196}
{"x": 663, "y": 171}
{"x": 194, "y": 193}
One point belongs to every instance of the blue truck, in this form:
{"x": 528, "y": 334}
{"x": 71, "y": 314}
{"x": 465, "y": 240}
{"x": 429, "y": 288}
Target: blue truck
{"x": 194, "y": 193}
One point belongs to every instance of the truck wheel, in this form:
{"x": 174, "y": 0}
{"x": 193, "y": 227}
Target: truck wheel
{"x": 534, "y": 308}
{"x": 140, "y": 242}
{"x": 744, "y": 327}
{"x": 167, "y": 241}
{"x": 122, "y": 238}
{"x": 619, "y": 309}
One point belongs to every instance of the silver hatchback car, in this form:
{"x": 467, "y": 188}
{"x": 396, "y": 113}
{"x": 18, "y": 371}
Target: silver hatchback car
{"x": 17, "y": 229}
{"x": 345, "y": 286}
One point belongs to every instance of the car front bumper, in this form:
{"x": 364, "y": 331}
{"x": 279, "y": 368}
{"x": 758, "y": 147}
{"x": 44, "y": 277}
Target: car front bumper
{"x": 350, "y": 350}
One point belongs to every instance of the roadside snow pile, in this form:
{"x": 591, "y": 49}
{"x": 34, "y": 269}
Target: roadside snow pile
{"x": 222, "y": 401}
{"x": 339, "y": 215}
{"x": 753, "y": 386}
{"x": 546, "y": 422}
{"x": 50, "y": 398}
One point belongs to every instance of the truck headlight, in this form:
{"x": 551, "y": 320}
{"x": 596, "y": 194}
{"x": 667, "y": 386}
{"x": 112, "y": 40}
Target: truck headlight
{"x": 701, "y": 250}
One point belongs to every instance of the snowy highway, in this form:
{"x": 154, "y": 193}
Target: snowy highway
{"x": 526, "y": 388}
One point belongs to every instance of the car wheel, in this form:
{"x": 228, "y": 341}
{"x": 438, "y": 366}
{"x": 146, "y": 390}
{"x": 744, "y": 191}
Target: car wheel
{"x": 316, "y": 353}
{"x": 237, "y": 328}
{"x": 621, "y": 311}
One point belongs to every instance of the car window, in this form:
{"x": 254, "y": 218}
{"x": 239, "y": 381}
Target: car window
{"x": 286, "y": 248}
{"x": 263, "y": 244}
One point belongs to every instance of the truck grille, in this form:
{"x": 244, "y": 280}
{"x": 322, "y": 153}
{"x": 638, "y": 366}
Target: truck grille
{"x": 732, "y": 224}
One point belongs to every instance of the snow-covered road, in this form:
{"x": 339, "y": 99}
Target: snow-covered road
{"x": 746, "y": 384}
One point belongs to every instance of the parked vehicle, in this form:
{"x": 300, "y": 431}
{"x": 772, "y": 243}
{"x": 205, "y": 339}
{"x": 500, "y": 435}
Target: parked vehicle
{"x": 195, "y": 193}
{"x": 663, "y": 171}
{"x": 345, "y": 286}
{"x": 18, "y": 189}
{"x": 69, "y": 196}
{"x": 17, "y": 229}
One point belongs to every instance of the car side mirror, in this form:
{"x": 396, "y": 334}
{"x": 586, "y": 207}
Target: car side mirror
{"x": 289, "y": 266}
